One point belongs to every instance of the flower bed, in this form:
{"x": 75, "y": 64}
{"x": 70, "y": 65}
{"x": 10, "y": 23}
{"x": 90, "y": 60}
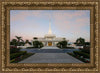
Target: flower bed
{"x": 20, "y": 58}
{"x": 16, "y": 55}
{"x": 85, "y": 55}
{"x": 81, "y": 56}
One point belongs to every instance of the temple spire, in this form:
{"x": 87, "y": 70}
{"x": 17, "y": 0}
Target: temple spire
{"x": 50, "y": 32}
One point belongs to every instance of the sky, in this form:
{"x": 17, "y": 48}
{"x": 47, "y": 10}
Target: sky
{"x": 70, "y": 24}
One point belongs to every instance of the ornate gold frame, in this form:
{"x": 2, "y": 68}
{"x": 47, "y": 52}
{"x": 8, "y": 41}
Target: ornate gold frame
{"x": 61, "y": 5}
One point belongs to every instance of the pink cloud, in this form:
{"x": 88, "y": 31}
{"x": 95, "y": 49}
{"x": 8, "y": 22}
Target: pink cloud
{"x": 63, "y": 23}
{"x": 79, "y": 13}
{"x": 24, "y": 14}
{"x": 70, "y": 15}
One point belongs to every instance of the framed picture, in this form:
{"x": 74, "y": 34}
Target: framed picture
{"x": 49, "y": 36}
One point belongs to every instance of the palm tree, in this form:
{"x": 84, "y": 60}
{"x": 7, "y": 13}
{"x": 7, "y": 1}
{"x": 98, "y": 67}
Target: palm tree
{"x": 22, "y": 42}
{"x": 18, "y": 39}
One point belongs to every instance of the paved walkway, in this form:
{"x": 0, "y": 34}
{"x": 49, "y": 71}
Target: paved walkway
{"x": 51, "y": 58}
{"x": 49, "y": 47}
{"x": 50, "y": 50}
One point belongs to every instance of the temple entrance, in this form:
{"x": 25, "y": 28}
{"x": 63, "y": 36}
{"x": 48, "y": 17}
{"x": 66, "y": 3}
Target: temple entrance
{"x": 49, "y": 43}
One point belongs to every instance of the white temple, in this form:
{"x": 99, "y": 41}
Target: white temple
{"x": 50, "y": 39}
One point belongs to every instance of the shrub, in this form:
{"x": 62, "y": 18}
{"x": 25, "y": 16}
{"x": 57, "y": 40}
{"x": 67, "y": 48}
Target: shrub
{"x": 29, "y": 47}
{"x": 69, "y": 48}
{"x": 14, "y": 55}
{"x": 37, "y": 44}
{"x": 14, "y": 50}
{"x": 13, "y": 46}
{"x": 85, "y": 50}
{"x": 85, "y": 55}
{"x": 62, "y": 44}
{"x": 12, "y": 60}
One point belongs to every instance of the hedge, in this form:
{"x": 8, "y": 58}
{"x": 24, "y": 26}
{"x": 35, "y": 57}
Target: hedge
{"x": 14, "y": 55}
{"x": 85, "y": 50}
{"x": 14, "y": 50}
{"x": 85, "y": 55}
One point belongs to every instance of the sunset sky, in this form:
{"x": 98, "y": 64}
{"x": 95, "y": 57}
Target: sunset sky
{"x": 70, "y": 24}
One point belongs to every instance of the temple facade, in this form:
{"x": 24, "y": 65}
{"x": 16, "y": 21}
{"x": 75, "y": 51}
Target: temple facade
{"x": 50, "y": 39}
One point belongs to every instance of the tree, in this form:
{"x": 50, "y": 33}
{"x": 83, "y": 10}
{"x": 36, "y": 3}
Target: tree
{"x": 64, "y": 39}
{"x": 87, "y": 43}
{"x": 18, "y": 39}
{"x": 62, "y": 44}
{"x": 27, "y": 41}
{"x": 37, "y": 44}
{"x": 41, "y": 44}
{"x": 22, "y": 42}
{"x": 35, "y": 38}
{"x": 13, "y": 42}
{"x": 80, "y": 41}
{"x": 59, "y": 44}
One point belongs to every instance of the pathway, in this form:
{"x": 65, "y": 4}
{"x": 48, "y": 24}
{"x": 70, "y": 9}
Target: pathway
{"x": 49, "y": 47}
{"x": 51, "y": 58}
{"x": 49, "y": 50}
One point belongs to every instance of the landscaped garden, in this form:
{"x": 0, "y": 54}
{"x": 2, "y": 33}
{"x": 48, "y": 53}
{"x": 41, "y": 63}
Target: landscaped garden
{"x": 16, "y": 55}
{"x": 83, "y": 55}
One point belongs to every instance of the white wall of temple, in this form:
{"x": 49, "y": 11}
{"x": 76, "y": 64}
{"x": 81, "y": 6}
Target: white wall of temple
{"x": 56, "y": 43}
{"x": 46, "y": 43}
{"x": 47, "y": 39}
{"x": 53, "y": 44}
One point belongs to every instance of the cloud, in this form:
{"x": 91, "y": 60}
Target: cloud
{"x": 73, "y": 22}
{"x": 22, "y": 15}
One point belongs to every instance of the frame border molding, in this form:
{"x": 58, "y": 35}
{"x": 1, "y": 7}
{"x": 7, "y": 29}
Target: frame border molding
{"x": 92, "y": 6}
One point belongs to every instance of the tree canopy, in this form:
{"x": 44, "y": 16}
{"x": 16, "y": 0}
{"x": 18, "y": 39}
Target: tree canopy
{"x": 18, "y": 41}
{"x": 62, "y": 44}
{"x": 37, "y": 44}
{"x": 80, "y": 41}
